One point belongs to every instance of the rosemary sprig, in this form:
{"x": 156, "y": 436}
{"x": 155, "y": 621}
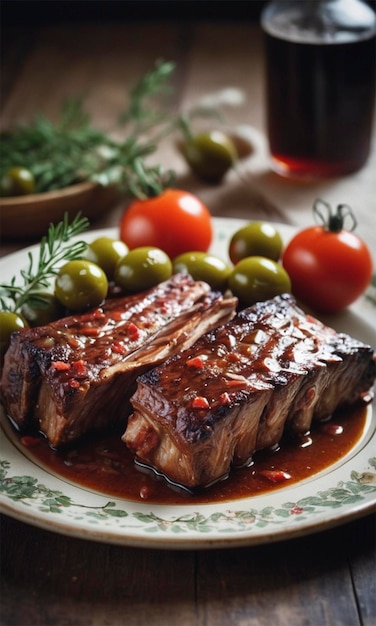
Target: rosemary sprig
{"x": 54, "y": 248}
{"x": 72, "y": 150}
{"x": 153, "y": 83}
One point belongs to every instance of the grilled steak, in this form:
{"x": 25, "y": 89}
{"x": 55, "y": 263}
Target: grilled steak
{"x": 76, "y": 374}
{"x": 238, "y": 388}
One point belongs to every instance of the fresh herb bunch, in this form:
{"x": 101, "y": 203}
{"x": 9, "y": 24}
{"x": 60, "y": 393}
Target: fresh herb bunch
{"x": 71, "y": 150}
{"x": 55, "y": 247}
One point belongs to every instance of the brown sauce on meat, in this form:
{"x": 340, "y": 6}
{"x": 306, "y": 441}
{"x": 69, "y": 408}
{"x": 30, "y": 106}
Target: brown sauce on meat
{"x": 104, "y": 464}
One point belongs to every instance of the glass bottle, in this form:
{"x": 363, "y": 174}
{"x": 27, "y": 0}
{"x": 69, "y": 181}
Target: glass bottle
{"x": 320, "y": 85}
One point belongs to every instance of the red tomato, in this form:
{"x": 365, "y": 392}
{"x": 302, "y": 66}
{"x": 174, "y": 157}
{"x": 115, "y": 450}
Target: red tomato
{"x": 175, "y": 221}
{"x": 328, "y": 269}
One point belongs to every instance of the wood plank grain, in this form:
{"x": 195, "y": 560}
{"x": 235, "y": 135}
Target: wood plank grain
{"x": 305, "y": 581}
{"x": 52, "y": 579}
{"x": 100, "y": 63}
{"x": 362, "y": 563}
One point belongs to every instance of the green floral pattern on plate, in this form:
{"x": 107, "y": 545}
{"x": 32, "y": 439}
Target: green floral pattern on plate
{"x": 30, "y": 492}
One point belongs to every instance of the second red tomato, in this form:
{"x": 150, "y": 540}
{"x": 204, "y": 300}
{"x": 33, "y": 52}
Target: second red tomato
{"x": 175, "y": 221}
{"x": 328, "y": 270}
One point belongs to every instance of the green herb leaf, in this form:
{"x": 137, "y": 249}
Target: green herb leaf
{"x": 54, "y": 248}
{"x": 70, "y": 151}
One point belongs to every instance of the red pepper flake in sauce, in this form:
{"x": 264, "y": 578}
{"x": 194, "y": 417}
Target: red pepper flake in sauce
{"x": 90, "y": 331}
{"x": 224, "y": 398}
{"x": 275, "y": 476}
{"x": 200, "y": 402}
{"x": 196, "y": 362}
{"x": 79, "y": 368}
{"x": 60, "y": 366}
{"x": 133, "y": 331}
{"x": 73, "y": 383}
{"x": 118, "y": 348}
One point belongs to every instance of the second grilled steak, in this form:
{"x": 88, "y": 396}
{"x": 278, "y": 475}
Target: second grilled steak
{"x": 239, "y": 387}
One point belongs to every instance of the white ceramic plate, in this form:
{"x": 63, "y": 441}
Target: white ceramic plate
{"x": 343, "y": 492}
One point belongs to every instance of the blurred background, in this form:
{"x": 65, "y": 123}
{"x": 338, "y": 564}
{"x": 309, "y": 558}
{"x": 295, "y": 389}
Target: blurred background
{"x": 37, "y": 11}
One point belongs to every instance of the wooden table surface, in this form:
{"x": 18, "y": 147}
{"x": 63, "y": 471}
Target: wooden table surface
{"x": 325, "y": 578}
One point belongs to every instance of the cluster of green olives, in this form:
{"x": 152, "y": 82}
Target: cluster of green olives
{"x": 84, "y": 283}
{"x": 257, "y": 275}
{"x": 253, "y": 274}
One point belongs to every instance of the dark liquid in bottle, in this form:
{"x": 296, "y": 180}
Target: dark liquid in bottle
{"x": 320, "y": 105}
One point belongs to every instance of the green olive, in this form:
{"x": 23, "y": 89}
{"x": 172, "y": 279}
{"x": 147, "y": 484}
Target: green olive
{"x": 17, "y": 181}
{"x": 9, "y": 323}
{"x": 106, "y": 252}
{"x": 43, "y": 310}
{"x": 256, "y": 239}
{"x": 257, "y": 278}
{"x": 80, "y": 285}
{"x": 210, "y": 155}
{"x": 203, "y": 266}
{"x": 142, "y": 268}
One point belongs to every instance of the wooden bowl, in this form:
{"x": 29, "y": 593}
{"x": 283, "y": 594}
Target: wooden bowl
{"x": 28, "y": 217}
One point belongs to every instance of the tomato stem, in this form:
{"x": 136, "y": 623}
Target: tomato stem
{"x": 334, "y": 222}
